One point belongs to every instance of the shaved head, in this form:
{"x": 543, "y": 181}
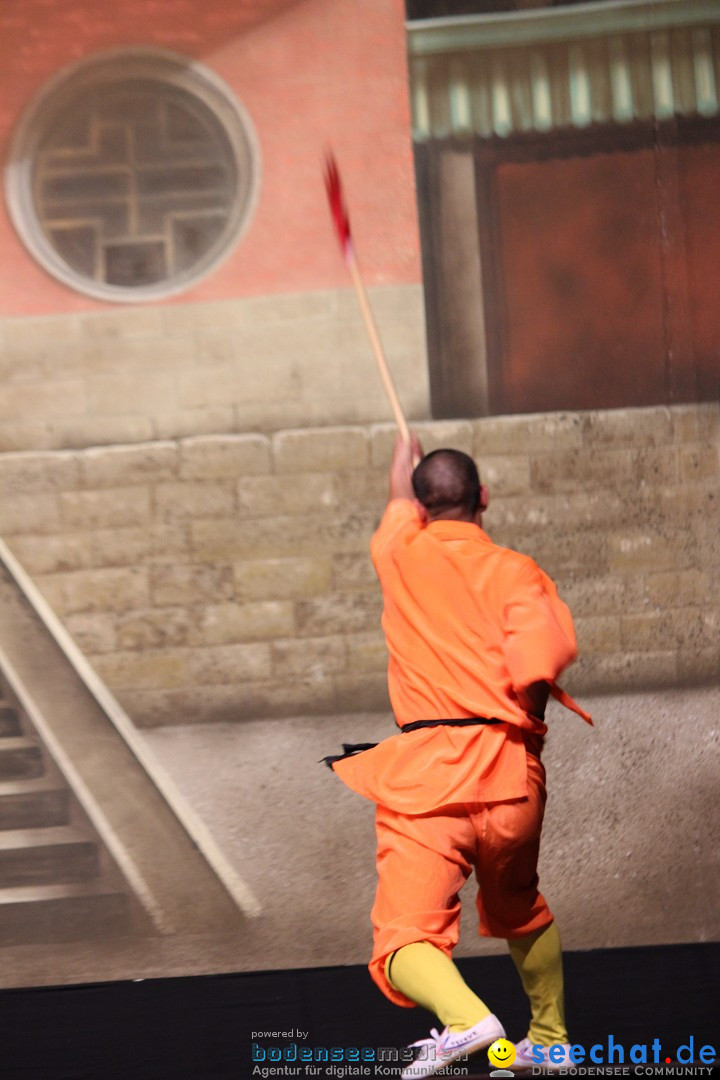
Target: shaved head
{"x": 447, "y": 484}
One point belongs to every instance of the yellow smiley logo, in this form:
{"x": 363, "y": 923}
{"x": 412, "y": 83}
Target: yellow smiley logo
{"x": 501, "y": 1053}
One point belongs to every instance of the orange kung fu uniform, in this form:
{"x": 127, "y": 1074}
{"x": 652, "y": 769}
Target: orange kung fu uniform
{"x": 467, "y": 623}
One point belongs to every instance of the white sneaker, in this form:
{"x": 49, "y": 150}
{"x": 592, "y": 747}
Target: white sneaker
{"x": 533, "y": 1056}
{"x": 437, "y": 1052}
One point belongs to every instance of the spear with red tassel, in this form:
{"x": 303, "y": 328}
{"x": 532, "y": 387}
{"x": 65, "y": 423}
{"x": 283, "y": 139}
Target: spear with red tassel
{"x": 342, "y": 227}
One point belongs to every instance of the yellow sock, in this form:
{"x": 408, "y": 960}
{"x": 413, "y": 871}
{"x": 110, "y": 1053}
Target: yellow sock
{"x": 538, "y": 958}
{"x": 429, "y": 977}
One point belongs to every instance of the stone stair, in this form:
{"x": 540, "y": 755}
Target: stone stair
{"x": 56, "y": 881}
{"x": 34, "y": 803}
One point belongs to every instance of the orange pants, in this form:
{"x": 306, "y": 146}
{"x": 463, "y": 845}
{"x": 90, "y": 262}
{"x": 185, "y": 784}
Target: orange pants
{"x": 424, "y": 860}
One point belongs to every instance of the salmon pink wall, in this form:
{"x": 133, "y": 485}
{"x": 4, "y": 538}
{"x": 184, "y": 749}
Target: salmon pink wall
{"x": 312, "y": 74}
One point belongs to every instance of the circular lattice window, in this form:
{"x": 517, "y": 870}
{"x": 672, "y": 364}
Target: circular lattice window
{"x": 132, "y": 174}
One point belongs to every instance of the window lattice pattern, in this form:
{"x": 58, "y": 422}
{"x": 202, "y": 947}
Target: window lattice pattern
{"x": 133, "y": 186}
{"x": 136, "y": 188}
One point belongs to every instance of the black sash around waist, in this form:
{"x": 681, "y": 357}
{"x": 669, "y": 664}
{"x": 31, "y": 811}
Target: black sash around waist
{"x": 450, "y": 723}
{"x": 350, "y": 749}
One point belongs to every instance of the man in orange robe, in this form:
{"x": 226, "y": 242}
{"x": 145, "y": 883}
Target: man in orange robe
{"x": 477, "y": 636}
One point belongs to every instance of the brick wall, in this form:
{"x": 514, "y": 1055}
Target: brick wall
{"x": 221, "y": 577}
{"x": 311, "y": 74}
{"x": 272, "y": 338}
{"x": 160, "y": 372}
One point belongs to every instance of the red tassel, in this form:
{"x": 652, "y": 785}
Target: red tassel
{"x": 337, "y": 205}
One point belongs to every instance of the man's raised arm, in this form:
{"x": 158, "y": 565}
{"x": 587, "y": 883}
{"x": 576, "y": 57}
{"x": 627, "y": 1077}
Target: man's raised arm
{"x": 405, "y": 457}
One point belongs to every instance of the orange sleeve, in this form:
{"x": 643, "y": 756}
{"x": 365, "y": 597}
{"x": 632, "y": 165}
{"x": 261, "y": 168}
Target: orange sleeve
{"x": 400, "y": 522}
{"x": 539, "y": 634}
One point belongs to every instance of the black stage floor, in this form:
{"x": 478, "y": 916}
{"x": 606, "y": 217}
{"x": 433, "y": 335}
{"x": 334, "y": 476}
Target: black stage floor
{"x": 203, "y": 1028}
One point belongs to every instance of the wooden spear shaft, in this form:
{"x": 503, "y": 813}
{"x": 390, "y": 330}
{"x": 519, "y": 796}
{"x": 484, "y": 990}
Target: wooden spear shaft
{"x": 342, "y": 226}
{"x": 377, "y": 348}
